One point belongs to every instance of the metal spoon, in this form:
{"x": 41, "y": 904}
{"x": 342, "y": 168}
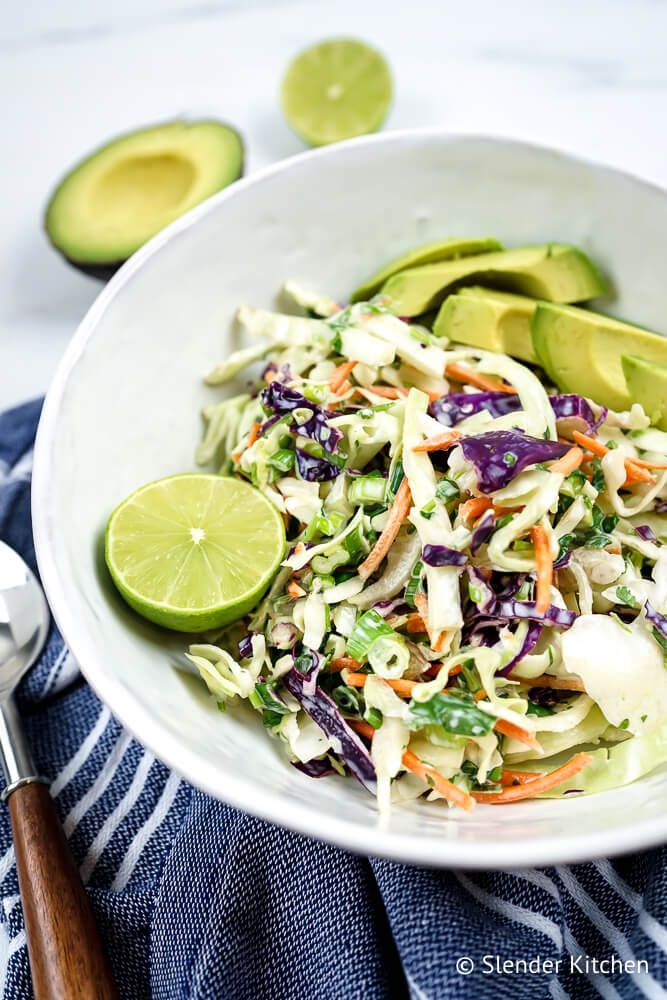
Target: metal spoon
{"x": 66, "y": 956}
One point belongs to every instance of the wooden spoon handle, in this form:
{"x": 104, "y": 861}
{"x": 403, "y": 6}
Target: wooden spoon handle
{"x": 66, "y": 955}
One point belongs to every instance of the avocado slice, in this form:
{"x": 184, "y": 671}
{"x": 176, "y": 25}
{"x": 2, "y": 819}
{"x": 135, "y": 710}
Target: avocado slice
{"x": 492, "y": 320}
{"x": 581, "y": 351}
{"x": 429, "y": 253}
{"x": 647, "y": 384}
{"x": 554, "y": 271}
{"x": 121, "y": 195}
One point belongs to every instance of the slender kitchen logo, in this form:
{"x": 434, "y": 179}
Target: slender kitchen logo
{"x": 538, "y": 966}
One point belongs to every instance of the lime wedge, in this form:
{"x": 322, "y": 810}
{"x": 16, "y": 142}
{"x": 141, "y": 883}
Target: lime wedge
{"x": 336, "y": 90}
{"x": 194, "y": 552}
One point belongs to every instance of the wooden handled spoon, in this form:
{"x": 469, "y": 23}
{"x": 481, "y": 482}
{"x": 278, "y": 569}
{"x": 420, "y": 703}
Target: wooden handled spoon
{"x": 67, "y": 960}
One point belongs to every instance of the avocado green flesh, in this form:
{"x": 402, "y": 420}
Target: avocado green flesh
{"x": 121, "y": 195}
{"x": 429, "y": 253}
{"x": 647, "y": 384}
{"x": 555, "y": 272}
{"x": 581, "y": 351}
{"x": 494, "y": 321}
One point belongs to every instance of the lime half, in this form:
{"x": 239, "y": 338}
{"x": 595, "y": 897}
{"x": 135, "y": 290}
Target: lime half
{"x": 194, "y": 552}
{"x": 336, "y": 90}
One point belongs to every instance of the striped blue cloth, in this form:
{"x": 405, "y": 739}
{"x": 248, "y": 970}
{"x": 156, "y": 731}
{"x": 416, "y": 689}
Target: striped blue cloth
{"x": 197, "y": 900}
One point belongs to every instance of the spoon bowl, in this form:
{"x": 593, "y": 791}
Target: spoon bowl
{"x": 24, "y": 619}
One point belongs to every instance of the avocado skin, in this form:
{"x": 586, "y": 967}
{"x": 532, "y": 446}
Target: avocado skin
{"x": 104, "y": 270}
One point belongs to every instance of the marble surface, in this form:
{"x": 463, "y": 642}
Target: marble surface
{"x": 588, "y": 76}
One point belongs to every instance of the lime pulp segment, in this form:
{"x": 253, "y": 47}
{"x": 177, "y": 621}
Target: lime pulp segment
{"x": 336, "y": 90}
{"x": 194, "y": 552}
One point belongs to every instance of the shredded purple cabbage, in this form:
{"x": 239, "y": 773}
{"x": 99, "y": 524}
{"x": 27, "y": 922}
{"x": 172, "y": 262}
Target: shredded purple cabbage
{"x": 313, "y": 469}
{"x": 661, "y": 506}
{"x": 456, "y": 406}
{"x": 317, "y": 768}
{"x": 284, "y": 635}
{"x": 442, "y": 555}
{"x": 245, "y": 646}
{"x": 483, "y": 531}
{"x": 487, "y": 594}
{"x": 323, "y": 711}
{"x": 391, "y": 606}
{"x": 577, "y": 411}
{"x": 646, "y": 532}
{"x": 527, "y": 646}
{"x": 499, "y": 456}
{"x": 282, "y": 399}
{"x": 308, "y": 666}
{"x": 511, "y": 609}
{"x": 563, "y": 560}
{"x": 658, "y": 621}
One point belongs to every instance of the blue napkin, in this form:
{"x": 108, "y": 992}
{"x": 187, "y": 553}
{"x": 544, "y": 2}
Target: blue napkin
{"x": 197, "y": 900}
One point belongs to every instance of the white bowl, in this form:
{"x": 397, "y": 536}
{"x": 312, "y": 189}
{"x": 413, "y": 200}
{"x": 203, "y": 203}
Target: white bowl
{"x": 124, "y": 409}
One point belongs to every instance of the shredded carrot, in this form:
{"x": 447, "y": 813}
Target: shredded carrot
{"x": 294, "y": 590}
{"x": 270, "y": 376}
{"x": 517, "y": 733}
{"x": 480, "y": 695}
{"x": 439, "y": 442}
{"x": 397, "y": 515}
{"x": 340, "y": 375}
{"x": 385, "y": 391}
{"x": 251, "y": 437}
{"x": 431, "y": 777}
{"x": 543, "y": 783}
{"x": 455, "y": 671}
{"x": 509, "y": 777}
{"x": 363, "y": 728}
{"x": 344, "y": 663}
{"x": 462, "y": 374}
{"x": 399, "y": 685}
{"x": 643, "y": 464}
{"x": 570, "y": 461}
{"x": 415, "y": 623}
{"x": 473, "y": 508}
{"x": 635, "y": 472}
{"x": 555, "y": 683}
{"x": 545, "y": 567}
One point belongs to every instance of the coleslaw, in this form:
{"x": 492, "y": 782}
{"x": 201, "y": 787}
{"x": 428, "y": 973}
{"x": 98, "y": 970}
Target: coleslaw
{"x": 473, "y": 605}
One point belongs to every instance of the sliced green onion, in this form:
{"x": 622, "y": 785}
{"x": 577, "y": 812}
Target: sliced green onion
{"x": 395, "y": 480}
{"x": 369, "y": 627}
{"x": 355, "y": 543}
{"x": 282, "y": 460}
{"x": 373, "y": 716}
{"x": 367, "y": 490}
{"x": 447, "y": 490}
{"x": 414, "y": 583}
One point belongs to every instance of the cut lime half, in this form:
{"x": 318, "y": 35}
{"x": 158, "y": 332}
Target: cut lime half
{"x": 336, "y": 90}
{"x": 194, "y": 552}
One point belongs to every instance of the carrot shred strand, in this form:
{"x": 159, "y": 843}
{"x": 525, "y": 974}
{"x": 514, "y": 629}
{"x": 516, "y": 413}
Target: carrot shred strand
{"x": 570, "y": 461}
{"x": 545, "y": 568}
{"x": 462, "y": 374}
{"x": 397, "y": 514}
{"x": 439, "y": 442}
{"x": 340, "y": 375}
{"x": 542, "y": 783}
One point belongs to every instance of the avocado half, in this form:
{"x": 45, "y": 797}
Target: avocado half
{"x": 116, "y": 199}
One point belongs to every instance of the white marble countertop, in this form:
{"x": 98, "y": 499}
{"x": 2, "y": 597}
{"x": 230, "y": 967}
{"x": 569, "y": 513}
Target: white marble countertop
{"x": 585, "y": 75}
